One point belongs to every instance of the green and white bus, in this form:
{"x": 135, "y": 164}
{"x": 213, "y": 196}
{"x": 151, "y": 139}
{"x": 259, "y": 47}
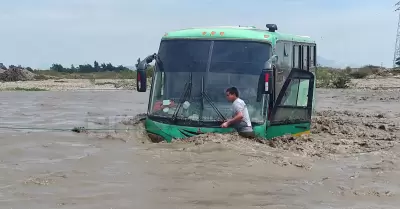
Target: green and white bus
{"x": 274, "y": 73}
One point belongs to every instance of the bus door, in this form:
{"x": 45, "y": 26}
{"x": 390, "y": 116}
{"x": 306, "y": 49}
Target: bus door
{"x": 295, "y": 100}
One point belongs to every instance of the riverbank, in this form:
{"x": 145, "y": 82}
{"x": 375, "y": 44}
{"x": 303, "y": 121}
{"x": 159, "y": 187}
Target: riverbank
{"x": 70, "y": 85}
{"x": 379, "y": 83}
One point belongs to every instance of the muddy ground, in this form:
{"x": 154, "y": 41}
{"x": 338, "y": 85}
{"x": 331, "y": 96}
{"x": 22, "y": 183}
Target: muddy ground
{"x": 351, "y": 160}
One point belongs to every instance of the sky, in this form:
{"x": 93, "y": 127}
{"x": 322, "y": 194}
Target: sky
{"x": 38, "y": 33}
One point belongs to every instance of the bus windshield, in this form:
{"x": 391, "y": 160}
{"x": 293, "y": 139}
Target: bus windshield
{"x": 210, "y": 66}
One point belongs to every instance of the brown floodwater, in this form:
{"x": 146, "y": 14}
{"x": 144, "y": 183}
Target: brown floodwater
{"x": 350, "y": 161}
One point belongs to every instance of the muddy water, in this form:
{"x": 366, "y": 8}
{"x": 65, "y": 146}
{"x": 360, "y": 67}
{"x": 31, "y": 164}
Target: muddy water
{"x": 350, "y": 161}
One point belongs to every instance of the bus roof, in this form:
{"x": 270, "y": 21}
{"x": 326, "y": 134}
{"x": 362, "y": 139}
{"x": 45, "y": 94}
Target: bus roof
{"x": 235, "y": 32}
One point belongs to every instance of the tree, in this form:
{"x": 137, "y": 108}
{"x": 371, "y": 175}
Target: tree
{"x": 57, "y": 67}
{"x": 109, "y": 67}
{"x": 96, "y": 66}
{"x": 73, "y": 69}
{"x": 85, "y": 68}
{"x": 103, "y": 67}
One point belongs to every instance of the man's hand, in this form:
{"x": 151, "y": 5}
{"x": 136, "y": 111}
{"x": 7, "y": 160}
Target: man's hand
{"x": 225, "y": 125}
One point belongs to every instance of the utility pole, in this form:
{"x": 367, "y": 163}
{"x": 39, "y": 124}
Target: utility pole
{"x": 396, "y": 56}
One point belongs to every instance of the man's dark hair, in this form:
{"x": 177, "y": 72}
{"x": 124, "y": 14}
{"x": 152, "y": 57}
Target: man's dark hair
{"x": 233, "y": 90}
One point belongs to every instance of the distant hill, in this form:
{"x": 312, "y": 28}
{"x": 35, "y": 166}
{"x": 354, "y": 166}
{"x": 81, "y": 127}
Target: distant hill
{"x": 327, "y": 63}
{"x": 334, "y": 64}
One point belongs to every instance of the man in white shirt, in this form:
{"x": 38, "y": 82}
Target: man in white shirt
{"x": 240, "y": 118}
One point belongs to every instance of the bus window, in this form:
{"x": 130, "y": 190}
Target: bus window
{"x": 286, "y": 50}
{"x": 296, "y": 57}
{"x": 296, "y": 93}
{"x": 312, "y": 56}
{"x": 315, "y": 56}
{"x": 290, "y": 97}
{"x": 302, "y": 93}
{"x": 287, "y": 54}
{"x": 305, "y": 58}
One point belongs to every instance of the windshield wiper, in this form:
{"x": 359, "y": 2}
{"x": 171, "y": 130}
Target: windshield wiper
{"x": 205, "y": 95}
{"x": 187, "y": 92}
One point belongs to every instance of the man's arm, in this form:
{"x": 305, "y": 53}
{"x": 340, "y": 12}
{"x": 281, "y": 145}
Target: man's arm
{"x": 238, "y": 117}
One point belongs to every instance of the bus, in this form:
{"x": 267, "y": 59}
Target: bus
{"x": 273, "y": 71}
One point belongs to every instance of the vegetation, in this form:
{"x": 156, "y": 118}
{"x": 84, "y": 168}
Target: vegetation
{"x": 87, "y": 71}
{"x": 341, "y": 78}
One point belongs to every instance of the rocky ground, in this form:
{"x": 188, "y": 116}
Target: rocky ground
{"x": 71, "y": 84}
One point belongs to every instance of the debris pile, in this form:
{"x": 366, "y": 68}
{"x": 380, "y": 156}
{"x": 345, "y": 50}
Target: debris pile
{"x": 15, "y": 74}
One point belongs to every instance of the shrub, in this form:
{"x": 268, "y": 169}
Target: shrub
{"x": 332, "y": 78}
{"x": 359, "y": 74}
{"x": 342, "y": 81}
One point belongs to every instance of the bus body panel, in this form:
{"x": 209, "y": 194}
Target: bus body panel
{"x": 170, "y": 132}
{"x": 235, "y": 33}
{"x": 288, "y": 129}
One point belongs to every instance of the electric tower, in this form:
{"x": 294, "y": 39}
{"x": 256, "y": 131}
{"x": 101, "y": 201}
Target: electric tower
{"x": 396, "y": 56}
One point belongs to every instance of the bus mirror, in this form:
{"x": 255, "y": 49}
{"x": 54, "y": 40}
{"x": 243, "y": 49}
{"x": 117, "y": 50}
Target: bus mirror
{"x": 142, "y": 64}
{"x": 272, "y": 61}
{"x": 141, "y": 80}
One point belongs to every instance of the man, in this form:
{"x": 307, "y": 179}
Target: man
{"x": 241, "y": 119}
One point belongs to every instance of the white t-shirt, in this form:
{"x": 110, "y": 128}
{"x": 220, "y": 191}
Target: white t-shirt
{"x": 239, "y": 106}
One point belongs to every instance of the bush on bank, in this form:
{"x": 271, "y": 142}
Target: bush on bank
{"x": 341, "y": 78}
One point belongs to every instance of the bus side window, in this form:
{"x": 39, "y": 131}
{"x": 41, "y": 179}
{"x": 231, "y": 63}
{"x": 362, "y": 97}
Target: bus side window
{"x": 287, "y": 54}
{"x": 305, "y": 58}
{"x": 296, "y": 57}
{"x": 293, "y": 105}
{"x": 312, "y": 56}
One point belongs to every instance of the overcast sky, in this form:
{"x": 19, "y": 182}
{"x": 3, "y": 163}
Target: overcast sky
{"x": 38, "y": 33}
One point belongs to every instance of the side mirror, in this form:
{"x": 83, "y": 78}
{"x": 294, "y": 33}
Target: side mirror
{"x": 271, "y": 62}
{"x": 141, "y": 81}
{"x": 142, "y": 64}
{"x": 141, "y": 77}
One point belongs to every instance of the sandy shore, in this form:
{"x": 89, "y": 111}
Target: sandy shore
{"x": 71, "y": 84}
